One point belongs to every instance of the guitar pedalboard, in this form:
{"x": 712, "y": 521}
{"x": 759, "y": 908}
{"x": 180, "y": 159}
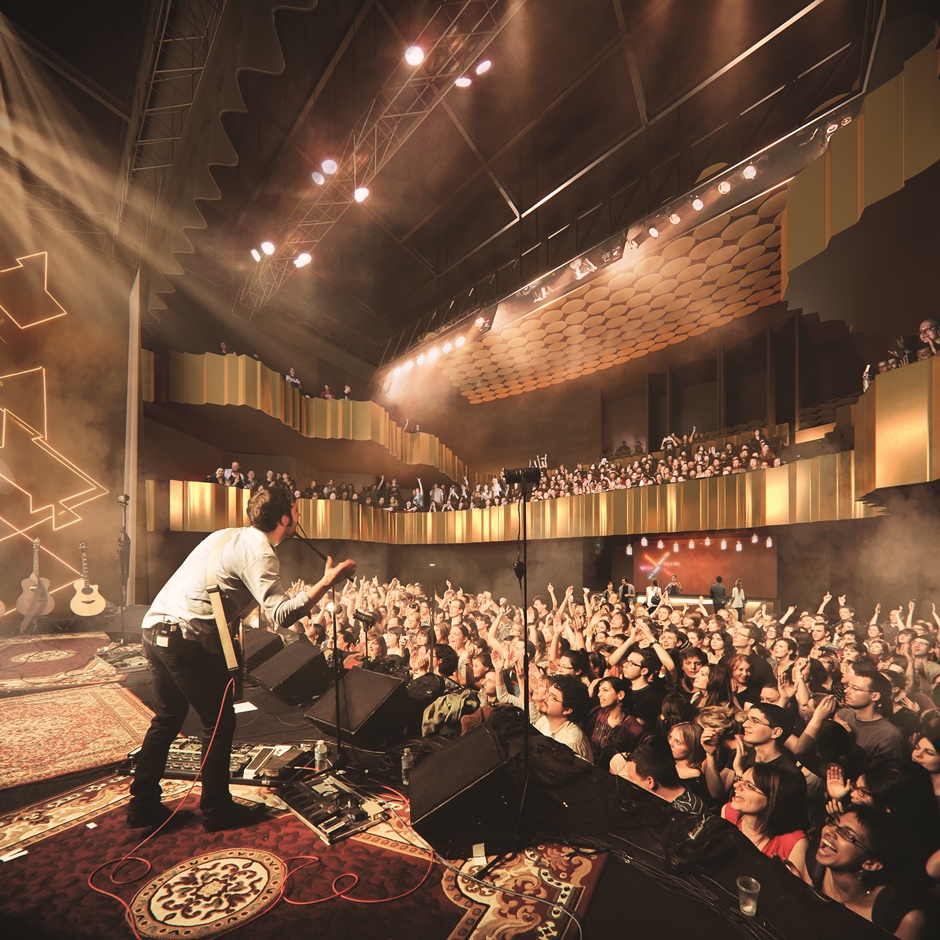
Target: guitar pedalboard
{"x": 257, "y": 765}
{"x": 333, "y": 810}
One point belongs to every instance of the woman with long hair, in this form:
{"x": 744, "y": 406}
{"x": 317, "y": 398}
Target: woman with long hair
{"x": 740, "y": 668}
{"x": 712, "y": 686}
{"x": 768, "y": 805}
{"x": 738, "y": 600}
{"x": 689, "y": 755}
{"x": 605, "y": 724}
{"x": 719, "y": 646}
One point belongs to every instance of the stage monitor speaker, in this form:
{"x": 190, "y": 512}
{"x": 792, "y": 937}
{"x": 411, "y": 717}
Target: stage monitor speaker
{"x": 464, "y": 800}
{"x": 373, "y": 709}
{"x": 297, "y": 674}
{"x": 259, "y": 647}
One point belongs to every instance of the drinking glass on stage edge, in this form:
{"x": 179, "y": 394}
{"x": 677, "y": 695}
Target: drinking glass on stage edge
{"x": 748, "y": 889}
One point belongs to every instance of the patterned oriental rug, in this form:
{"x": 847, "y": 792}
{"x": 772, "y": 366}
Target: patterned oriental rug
{"x": 204, "y": 885}
{"x": 50, "y": 734}
{"x": 52, "y": 661}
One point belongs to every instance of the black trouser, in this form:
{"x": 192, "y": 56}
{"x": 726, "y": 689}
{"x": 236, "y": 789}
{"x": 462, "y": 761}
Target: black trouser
{"x": 185, "y": 673}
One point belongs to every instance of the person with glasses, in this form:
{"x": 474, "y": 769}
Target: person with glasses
{"x": 856, "y": 865}
{"x": 766, "y": 728}
{"x": 768, "y": 805}
{"x": 869, "y": 706}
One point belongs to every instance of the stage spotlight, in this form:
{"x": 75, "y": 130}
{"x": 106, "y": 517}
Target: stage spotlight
{"x": 462, "y": 82}
{"x": 479, "y": 321}
{"x": 675, "y": 546}
{"x": 422, "y": 359}
{"x": 629, "y": 548}
{"x": 660, "y": 544}
{"x": 724, "y": 187}
{"x": 832, "y": 128}
{"x": 697, "y": 204}
{"x": 447, "y": 347}
{"x": 691, "y": 543}
{"x": 674, "y": 218}
{"x": 414, "y": 55}
{"x": 408, "y": 366}
{"x": 318, "y": 177}
{"x": 396, "y": 370}
{"x": 256, "y": 254}
{"x": 770, "y": 542}
{"x": 654, "y": 231}
{"x": 724, "y": 544}
{"x": 360, "y": 194}
{"x": 847, "y": 120}
{"x": 329, "y": 167}
{"x": 754, "y": 539}
{"x": 632, "y": 244}
{"x": 268, "y": 248}
{"x": 460, "y": 341}
{"x": 708, "y": 542}
{"x": 483, "y": 66}
{"x": 433, "y": 354}
{"x": 749, "y": 172}
{"x": 303, "y": 259}
{"x": 644, "y": 541}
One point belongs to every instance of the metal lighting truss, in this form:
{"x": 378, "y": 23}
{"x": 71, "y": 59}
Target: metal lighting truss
{"x": 453, "y": 40}
{"x": 185, "y": 31}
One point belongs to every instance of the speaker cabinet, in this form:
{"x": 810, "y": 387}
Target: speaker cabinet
{"x": 373, "y": 709}
{"x": 296, "y": 674}
{"x": 260, "y": 646}
{"x": 464, "y": 800}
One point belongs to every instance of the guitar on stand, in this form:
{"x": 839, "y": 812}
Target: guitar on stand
{"x": 87, "y": 602}
{"x": 35, "y": 601}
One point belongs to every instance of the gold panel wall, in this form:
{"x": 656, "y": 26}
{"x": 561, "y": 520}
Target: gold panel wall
{"x": 896, "y": 136}
{"x": 815, "y": 490}
{"x": 897, "y": 428}
{"x": 210, "y": 379}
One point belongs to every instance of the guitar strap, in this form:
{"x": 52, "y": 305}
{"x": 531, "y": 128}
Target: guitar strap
{"x": 215, "y": 596}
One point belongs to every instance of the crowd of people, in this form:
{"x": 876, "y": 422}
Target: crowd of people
{"x": 681, "y": 461}
{"x": 926, "y": 345}
{"x": 816, "y": 732}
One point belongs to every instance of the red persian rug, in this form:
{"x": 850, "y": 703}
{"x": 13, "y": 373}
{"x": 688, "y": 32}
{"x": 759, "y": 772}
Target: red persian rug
{"x": 54, "y": 733}
{"x": 201, "y": 885}
{"x": 52, "y": 661}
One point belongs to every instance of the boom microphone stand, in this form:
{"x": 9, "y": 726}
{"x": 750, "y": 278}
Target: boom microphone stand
{"x": 340, "y": 753}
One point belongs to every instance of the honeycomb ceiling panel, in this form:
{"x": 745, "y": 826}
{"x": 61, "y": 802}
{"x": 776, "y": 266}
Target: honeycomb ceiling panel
{"x": 659, "y": 295}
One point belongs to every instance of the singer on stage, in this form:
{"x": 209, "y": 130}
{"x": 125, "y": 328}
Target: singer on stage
{"x": 183, "y": 649}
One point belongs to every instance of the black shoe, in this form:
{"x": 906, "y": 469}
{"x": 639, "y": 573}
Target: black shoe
{"x": 235, "y": 816}
{"x": 152, "y": 819}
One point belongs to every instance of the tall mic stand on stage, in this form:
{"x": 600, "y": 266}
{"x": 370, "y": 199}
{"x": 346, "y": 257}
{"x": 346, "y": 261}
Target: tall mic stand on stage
{"x": 524, "y": 476}
{"x": 340, "y": 753}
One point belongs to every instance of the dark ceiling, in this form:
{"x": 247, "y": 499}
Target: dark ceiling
{"x": 594, "y": 113}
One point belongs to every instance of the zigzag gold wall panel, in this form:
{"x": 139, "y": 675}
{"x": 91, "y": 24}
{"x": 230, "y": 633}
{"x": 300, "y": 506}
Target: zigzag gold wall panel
{"x": 820, "y": 489}
{"x": 211, "y": 379}
{"x": 896, "y": 136}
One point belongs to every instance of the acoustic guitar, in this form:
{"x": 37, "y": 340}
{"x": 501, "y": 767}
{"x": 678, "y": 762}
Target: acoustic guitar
{"x": 35, "y": 601}
{"x": 87, "y": 602}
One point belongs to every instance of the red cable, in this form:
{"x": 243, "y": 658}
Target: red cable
{"x": 148, "y": 865}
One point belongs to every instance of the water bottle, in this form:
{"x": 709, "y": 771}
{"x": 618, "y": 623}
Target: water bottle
{"x": 407, "y": 762}
{"x": 320, "y": 756}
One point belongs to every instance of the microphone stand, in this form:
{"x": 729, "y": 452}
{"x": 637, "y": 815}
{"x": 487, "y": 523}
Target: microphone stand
{"x": 340, "y": 753}
{"x": 523, "y": 478}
